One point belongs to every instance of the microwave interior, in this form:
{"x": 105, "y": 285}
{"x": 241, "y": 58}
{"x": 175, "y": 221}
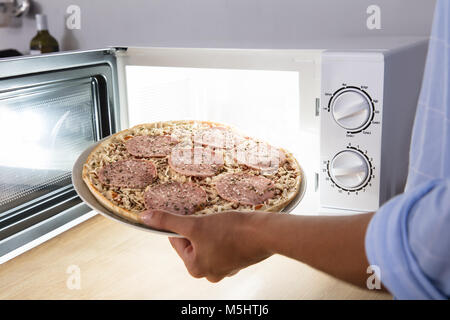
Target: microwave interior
{"x": 53, "y": 107}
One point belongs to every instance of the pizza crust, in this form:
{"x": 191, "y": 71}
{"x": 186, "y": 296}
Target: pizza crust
{"x": 134, "y": 216}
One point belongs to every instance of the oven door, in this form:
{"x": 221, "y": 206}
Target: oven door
{"x": 51, "y": 108}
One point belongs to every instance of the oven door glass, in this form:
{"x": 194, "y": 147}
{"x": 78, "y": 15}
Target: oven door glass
{"x": 43, "y": 129}
{"x": 52, "y": 107}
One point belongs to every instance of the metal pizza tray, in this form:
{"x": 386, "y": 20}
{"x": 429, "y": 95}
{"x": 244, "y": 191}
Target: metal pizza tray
{"x": 86, "y": 195}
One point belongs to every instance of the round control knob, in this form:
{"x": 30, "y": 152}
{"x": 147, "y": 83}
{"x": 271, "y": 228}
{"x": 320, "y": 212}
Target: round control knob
{"x": 351, "y": 108}
{"x": 349, "y": 169}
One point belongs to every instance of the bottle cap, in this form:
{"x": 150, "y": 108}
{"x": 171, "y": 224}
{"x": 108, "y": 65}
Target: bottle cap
{"x": 41, "y": 22}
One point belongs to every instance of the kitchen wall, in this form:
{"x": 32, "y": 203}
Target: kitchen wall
{"x": 217, "y": 23}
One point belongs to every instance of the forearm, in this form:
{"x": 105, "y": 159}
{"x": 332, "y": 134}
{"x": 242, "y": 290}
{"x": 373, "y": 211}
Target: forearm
{"x": 333, "y": 244}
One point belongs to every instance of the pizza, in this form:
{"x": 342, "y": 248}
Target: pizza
{"x": 189, "y": 168}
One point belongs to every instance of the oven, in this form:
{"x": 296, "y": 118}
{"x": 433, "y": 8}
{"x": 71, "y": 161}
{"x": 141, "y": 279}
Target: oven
{"x": 345, "y": 111}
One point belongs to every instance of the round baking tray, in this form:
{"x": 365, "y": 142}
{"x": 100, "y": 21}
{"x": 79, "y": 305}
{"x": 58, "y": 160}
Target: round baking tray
{"x": 86, "y": 195}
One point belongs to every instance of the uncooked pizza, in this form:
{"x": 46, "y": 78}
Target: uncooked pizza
{"x": 190, "y": 168}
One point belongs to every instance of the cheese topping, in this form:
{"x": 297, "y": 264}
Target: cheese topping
{"x": 285, "y": 179}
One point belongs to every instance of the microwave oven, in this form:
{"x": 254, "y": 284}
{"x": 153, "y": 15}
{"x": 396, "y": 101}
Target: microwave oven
{"x": 344, "y": 108}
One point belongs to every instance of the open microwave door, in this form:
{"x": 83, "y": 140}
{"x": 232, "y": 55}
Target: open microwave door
{"x": 52, "y": 107}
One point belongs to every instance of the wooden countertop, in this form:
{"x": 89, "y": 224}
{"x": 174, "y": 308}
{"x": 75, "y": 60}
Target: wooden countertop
{"x": 119, "y": 262}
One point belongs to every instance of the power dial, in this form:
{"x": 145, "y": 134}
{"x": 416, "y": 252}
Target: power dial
{"x": 351, "y": 108}
{"x": 350, "y": 169}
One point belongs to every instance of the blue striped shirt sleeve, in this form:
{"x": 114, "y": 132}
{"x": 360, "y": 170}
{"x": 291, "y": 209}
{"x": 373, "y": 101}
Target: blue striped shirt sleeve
{"x": 408, "y": 240}
{"x": 409, "y": 237}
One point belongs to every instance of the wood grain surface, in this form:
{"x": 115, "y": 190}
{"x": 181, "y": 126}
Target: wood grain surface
{"x": 119, "y": 262}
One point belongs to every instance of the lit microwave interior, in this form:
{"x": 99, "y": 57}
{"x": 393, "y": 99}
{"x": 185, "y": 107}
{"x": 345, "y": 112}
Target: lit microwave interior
{"x": 263, "y": 104}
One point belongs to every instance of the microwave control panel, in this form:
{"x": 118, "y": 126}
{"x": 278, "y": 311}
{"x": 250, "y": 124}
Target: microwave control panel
{"x": 350, "y": 130}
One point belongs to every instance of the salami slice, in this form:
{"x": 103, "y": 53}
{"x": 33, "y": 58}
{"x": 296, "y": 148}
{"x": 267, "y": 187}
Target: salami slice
{"x": 196, "y": 162}
{"x": 216, "y": 137}
{"x": 175, "y": 197}
{"x": 259, "y": 155}
{"x": 245, "y": 188}
{"x": 128, "y": 173}
{"x": 150, "y": 146}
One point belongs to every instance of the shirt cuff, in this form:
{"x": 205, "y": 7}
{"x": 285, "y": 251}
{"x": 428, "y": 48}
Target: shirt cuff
{"x": 388, "y": 249}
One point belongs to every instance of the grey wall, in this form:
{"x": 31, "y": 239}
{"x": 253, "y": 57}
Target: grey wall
{"x": 218, "y": 23}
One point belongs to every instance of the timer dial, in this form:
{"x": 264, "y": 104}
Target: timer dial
{"x": 349, "y": 169}
{"x": 351, "y": 109}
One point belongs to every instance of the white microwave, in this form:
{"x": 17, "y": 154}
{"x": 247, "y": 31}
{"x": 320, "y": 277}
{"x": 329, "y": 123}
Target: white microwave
{"x": 345, "y": 108}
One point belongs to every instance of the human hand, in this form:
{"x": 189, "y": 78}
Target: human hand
{"x": 216, "y": 245}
